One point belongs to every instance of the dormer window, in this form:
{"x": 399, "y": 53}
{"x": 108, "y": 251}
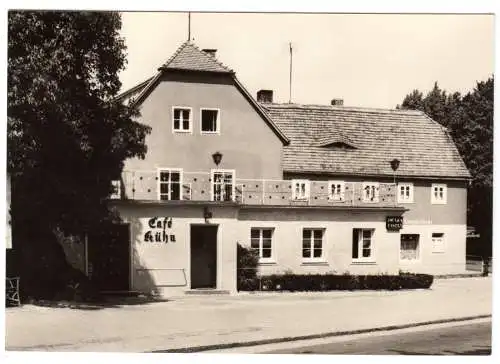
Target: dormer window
{"x": 182, "y": 119}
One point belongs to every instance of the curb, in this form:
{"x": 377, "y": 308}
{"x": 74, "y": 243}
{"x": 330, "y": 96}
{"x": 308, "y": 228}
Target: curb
{"x": 201, "y": 348}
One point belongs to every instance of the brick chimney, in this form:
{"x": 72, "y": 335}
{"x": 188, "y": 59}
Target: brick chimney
{"x": 337, "y": 102}
{"x": 210, "y": 52}
{"x": 265, "y": 96}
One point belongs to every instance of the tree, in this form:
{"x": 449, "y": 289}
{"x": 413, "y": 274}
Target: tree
{"x": 67, "y": 138}
{"x": 469, "y": 119}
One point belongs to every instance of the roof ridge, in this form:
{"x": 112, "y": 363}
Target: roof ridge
{"x": 341, "y": 108}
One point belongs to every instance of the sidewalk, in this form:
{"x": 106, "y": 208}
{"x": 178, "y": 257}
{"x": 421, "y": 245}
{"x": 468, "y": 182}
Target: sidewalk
{"x": 194, "y": 321}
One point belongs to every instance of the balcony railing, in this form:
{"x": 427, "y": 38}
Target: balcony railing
{"x": 198, "y": 186}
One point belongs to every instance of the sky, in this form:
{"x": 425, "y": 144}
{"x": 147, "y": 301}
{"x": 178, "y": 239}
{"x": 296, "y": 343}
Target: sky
{"x": 368, "y": 60}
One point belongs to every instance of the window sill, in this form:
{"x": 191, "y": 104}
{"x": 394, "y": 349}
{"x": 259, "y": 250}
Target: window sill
{"x": 409, "y": 261}
{"x": 210, "y": 133}
{"x": 363, "y": 262}
{"x": 315, "y": 262}
{"x": 267, "y": 262}
{"x": 183, "y": 131}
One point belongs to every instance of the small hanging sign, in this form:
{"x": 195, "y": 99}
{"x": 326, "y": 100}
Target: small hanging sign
{"x": 394, "y": 223}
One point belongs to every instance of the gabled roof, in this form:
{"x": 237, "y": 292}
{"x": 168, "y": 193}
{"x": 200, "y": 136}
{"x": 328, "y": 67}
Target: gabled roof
{"x": 189, "y": 58}
{"x": 423, "y": 146}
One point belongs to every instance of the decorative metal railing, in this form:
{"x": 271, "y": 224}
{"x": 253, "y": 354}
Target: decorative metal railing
{"x": 198, "y": 186}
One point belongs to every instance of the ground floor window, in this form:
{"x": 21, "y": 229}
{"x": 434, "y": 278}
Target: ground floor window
{"x": 312, "y": 243}
{"x": 409, "y": 247}
{"x": 362, "y": 244}
{"x": 261, "y": 242}
{"x": 437, "y": 242}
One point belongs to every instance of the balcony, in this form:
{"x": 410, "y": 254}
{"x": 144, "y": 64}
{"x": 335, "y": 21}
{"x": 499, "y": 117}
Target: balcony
{"x": 198, "y": 187}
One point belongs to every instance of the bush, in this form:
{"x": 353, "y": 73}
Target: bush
{"x": 247, "y": 266}
{"x": 330, "y": 282}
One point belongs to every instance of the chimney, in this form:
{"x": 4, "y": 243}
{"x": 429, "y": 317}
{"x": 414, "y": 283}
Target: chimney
{"x": 337, "y": 102}
{"x": 210, "y": 52}
{"x": 265, "y": 96}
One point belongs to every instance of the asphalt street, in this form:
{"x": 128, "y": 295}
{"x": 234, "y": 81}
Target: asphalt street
{"x": 469, "y": 339}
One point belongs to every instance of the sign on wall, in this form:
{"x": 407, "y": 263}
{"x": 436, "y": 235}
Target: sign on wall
{"x": 394, "y": 223}
{"x": 159, "y": 231}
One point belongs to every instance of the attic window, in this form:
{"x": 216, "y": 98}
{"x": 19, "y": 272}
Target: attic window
{"x": 338, "y": 145}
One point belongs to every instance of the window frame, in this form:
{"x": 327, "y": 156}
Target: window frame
{"x": 376, "y": 197}
{"x": 307, "y": 189}
{"x": 442, "y": 201}
{"x": 217, "y": 123}
{"x": 212, "y": 183}
{"x": 360, "y": 258}
{"x": 410, "y": 198}
{"x": 263, "y": 259}
{"x": 418, "y": 250}
{"x": 181, "y": 182}
{"x": 342, "y": 190}
{"x": 188, "y": 131}
{"x": 312, "y": 258}
{"x": 442, "y": 249}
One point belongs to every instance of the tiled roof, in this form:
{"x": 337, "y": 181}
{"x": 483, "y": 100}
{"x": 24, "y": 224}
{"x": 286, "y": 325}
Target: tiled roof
{"x": 191, "y": 58}
{"x": 423, "y": 146}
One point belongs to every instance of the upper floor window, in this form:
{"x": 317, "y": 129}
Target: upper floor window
{"x": 370, "y": 192}
{"x": 261, "y": 242}
{"x": 312, "y": 243}
{"x": 336, "y": 190}
{"x": 222, "y": 185}
{"x": 438, "y": 193}
{"x": 405, "y": 192}
{"x": 210, "y": 121}
{"x": 170, "y": 184}
{"x": 362, "y": 244}
{"x": 300, "y": 189}
{"x": 182, "y": 119}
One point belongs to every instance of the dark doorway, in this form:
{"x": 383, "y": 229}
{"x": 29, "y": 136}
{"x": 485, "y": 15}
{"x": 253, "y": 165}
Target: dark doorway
{"x": 109, "y": 257}
{"x": 203, "y": 256}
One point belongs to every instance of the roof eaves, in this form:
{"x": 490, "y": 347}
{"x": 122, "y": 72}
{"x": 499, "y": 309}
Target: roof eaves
{"x": 132, "y": 90}
{"x": 451, "y": 142}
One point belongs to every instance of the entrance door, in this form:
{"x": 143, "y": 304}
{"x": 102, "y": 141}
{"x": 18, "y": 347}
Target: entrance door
{"x": 203, "y": 256}
{"x": 109, "y": 257}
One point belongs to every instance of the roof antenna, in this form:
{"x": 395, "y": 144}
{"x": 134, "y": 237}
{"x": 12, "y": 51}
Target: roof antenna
{"x": 290, "y": 98}
{"x": 189, "y": 26}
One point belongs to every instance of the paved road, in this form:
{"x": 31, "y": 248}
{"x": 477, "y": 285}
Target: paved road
{"x": 470, "y": 339}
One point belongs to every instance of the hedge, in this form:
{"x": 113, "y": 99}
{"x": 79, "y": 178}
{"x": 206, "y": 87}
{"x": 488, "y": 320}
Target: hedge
{"x": 333, "y": 282}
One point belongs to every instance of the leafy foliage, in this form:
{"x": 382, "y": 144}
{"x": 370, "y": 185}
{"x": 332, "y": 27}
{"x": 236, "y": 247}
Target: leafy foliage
{"x": 247, "y": 267}
{"x": 333, "y": 282}
{"x": 67, "y": 137}
{"x": 469, "y": 120}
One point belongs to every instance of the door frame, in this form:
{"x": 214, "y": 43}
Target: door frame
{"x": 217, "y": 274}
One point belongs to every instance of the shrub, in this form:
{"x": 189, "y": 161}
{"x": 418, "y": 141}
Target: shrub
{"x": 329, "y": 282}
{"x": 247, "y": 266}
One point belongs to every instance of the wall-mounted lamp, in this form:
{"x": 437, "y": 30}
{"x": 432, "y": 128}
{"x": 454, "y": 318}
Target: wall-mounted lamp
{"x": 207, "y": 214}
{"x": 395, "y": 164}
{"x": 217, "y": 157}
